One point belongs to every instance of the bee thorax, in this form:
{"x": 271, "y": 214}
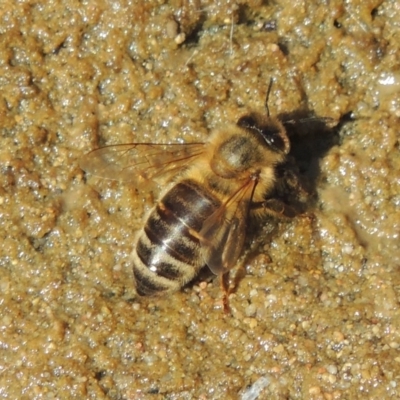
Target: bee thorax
{"x": 234, "y": 156}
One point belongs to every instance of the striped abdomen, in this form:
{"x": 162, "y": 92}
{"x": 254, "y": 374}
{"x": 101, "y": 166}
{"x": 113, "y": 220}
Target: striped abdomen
{"x": 167, "y": 253}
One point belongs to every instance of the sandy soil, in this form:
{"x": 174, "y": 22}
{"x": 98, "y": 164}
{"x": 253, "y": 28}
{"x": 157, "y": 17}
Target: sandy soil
{"x": 316, "y": 311}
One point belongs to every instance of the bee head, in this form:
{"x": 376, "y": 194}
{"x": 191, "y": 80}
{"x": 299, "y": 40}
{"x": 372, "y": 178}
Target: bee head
{"x": 269, "y": 130}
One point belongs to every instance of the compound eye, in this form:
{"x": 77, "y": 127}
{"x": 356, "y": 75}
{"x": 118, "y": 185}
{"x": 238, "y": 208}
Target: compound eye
{"x": 247, "y": 122}
{"x": 273, "y": 138}
{"x": 271, "y": 133}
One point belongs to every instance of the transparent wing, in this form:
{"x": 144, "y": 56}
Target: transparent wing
{"x": 223, "y": 233}
{"x": 140, "y": 162}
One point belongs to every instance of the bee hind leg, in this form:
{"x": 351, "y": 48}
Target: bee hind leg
{"x": 225, "y": 287}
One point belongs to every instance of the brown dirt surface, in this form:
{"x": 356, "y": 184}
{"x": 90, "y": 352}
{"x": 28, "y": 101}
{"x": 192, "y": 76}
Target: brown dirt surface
{"x": 315, "y": 314}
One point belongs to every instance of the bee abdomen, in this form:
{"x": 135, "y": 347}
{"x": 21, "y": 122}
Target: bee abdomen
{"x": 167, "y": 253}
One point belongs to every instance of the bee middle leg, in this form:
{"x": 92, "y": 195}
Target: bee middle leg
{"x": 275, "y": 207}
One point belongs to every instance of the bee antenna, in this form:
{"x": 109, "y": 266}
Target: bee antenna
{"x": 267, "y": 96}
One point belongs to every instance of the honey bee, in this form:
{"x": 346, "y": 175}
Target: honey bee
{"x": 210, "y": 190}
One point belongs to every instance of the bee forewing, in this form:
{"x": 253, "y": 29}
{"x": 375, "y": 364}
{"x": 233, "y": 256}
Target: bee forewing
{"x": 223, "y": 233}
{"x": 140, "y": 162}
{"x": 221, "y": 243}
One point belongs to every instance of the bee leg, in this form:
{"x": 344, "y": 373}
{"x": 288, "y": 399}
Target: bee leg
{"x": 224, "y": 279}
{"x": 275, "y": 208}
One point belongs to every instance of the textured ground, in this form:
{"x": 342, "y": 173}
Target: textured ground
{"x": 316, "y": 314}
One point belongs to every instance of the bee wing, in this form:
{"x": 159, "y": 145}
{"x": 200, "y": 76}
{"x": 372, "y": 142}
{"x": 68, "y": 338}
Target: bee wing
{"x": 140, "y": 162}
{"x": 223, "y": 233}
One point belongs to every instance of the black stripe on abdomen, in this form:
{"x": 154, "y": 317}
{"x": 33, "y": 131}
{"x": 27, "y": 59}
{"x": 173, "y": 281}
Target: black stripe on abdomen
{"x": 167, "y": 254}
